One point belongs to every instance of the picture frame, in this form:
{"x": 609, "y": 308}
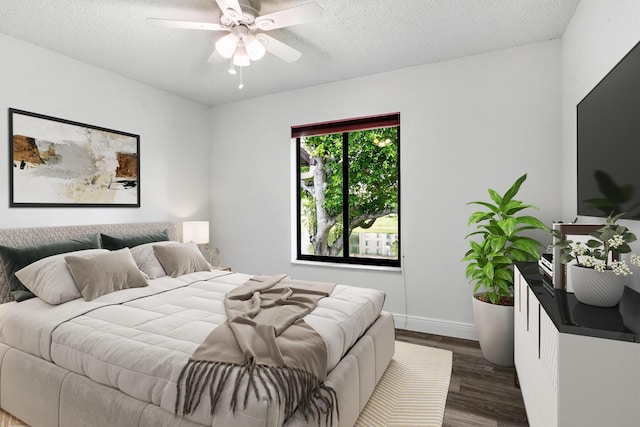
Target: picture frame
{"x": 55, "y": 162}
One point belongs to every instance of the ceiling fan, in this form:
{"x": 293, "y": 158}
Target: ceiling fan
{"x": 246, "y": 40}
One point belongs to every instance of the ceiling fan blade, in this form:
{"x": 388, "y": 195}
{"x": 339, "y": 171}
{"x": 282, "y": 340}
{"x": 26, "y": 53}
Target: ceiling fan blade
{"x": 279, "y": 49}
{"x": 230, "y": 8}
{"x": 216, "y": 58}
{"x": 288, "y": 17}
{"x": 188, "y": 25}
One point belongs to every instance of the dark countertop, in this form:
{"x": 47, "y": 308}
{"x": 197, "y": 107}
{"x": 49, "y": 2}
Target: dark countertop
{"x": 621, "y": 322}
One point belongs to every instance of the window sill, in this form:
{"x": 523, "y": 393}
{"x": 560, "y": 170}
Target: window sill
{"x": 346, "y": 266}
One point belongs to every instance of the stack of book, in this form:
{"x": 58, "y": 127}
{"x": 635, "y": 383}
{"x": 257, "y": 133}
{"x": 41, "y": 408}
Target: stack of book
{"x": 546, "y": 266}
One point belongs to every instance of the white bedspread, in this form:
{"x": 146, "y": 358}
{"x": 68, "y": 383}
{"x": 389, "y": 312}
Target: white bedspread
{"x": 138, "y": 340}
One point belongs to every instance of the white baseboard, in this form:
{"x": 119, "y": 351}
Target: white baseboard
{"x": 436, "y": 326}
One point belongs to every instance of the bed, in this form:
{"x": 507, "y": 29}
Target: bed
{"x": 115, "y": 360}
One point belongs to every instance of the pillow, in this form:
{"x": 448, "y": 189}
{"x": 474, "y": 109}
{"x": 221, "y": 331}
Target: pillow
{"x": 13, "y": 259}
{"x": 118, "y": 242}
{"x": 50, "y": 279}
{"x": 105, "y": 273}
{"x": 180, "y": 259}
{"x": 146, "y": 259}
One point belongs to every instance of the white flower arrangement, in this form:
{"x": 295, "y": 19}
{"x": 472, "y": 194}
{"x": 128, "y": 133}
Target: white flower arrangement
{"x": 608, "y": 240}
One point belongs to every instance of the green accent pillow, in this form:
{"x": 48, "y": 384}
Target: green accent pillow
{"x": 113, "y": 243}
{"x": 13, "y": 259}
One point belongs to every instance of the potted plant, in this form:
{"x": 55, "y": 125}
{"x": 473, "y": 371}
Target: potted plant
{"x": 598, "y": 275}
{"x": 490, "y": 267}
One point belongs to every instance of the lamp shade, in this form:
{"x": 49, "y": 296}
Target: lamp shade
{"x": 240, "y": 58}
{"x": 195, "y": 231}
{"x": 254, "y": 48}
{"x": 226, "y": 45}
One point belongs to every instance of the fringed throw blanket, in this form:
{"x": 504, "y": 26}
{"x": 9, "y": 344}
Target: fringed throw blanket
{"x": 264, "y": 346}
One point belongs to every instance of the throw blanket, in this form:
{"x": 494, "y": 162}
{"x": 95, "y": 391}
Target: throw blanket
{"x": 265, "y": 345}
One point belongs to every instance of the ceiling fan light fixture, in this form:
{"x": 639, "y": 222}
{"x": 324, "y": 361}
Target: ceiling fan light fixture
{"x": 241, "y": 58}
{"x": 226, "y": 45}
{"x": 254, "y": 48}
{"x": 243, "y": 42}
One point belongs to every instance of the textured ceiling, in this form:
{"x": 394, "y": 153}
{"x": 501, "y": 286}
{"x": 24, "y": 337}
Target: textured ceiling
{"x": 352, "y": 38}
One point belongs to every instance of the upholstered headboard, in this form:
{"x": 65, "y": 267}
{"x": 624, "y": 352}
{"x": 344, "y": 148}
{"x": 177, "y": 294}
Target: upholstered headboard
{"x": 18, "y": 237}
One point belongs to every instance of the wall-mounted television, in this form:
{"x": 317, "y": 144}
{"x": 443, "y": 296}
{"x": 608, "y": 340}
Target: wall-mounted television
{"x": 609, "y": 142}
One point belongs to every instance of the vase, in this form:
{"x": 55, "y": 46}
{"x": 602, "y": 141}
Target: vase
{"x": 598, "y": 288}
{"x": 494, "y": 325}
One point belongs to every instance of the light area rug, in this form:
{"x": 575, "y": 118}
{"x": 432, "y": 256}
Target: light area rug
{"x": 8, "y": 420}
{"x": 412, "y": 391}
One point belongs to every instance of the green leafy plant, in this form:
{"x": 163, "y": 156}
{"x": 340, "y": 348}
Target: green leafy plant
{"x": 491, "y": 259}
{"x": 373, "y": 185}
{"x": 598, "y": 253}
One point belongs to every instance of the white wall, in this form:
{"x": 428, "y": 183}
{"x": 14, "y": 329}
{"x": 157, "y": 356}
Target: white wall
{"x": 466, "y": 125}
{"x": 598, "y": 36}
{"x": 174, "y": 134}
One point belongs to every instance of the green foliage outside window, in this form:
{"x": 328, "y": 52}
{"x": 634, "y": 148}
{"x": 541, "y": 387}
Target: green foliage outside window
{"x": 372, "y": 173}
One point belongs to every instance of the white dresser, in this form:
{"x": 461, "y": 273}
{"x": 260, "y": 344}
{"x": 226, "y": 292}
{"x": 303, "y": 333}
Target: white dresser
{"x": 577, "y": 365}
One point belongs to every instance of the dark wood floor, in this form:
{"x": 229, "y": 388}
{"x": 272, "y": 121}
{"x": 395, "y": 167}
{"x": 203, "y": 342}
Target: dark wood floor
{"x": 480, "y": 393}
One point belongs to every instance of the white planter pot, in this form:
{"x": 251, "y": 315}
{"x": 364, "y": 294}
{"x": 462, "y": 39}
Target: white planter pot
{"x": 599, "y": 288}
{"x": 494, "y": 325}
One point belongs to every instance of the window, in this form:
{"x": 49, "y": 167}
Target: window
{"x": 348, "y": 191}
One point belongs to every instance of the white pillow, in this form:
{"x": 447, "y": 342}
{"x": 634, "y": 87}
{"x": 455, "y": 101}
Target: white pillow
{"x": 181, "y": 259}
{"x": 105, "y": 273}
{"x": 146, "y": 259}
{"x": 50, "y": 278}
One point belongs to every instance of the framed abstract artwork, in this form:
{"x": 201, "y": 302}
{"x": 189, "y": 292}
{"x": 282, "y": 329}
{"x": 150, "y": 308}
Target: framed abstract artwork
{"x": 61, "y": 163}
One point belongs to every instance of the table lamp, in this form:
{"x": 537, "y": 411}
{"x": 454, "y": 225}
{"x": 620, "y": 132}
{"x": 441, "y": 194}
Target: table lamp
{"x": 198, "y": 232}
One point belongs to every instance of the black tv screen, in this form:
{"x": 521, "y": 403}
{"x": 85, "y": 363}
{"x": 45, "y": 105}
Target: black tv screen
{"x": 609, "y": 143}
